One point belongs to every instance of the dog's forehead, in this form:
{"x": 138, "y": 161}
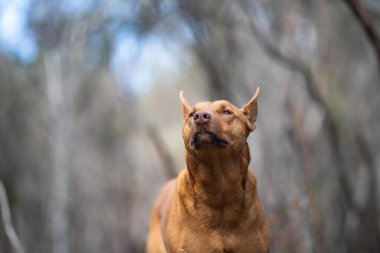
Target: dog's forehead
{"x": 207, "y": 105}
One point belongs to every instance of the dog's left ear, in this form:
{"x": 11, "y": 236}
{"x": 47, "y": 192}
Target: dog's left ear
{"x": 185, "y": 105}
{"x": 250, "y": 110}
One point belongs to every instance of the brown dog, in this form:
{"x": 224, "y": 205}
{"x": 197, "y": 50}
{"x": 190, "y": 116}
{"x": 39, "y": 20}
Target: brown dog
{"x": 213, "y": 205}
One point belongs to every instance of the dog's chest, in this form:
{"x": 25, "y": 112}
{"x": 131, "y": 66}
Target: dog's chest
{"x": 212, "y": 241}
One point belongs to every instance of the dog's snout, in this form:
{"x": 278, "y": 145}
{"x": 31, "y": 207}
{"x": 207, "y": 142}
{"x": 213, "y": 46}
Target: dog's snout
{"x": 201, "y": 117}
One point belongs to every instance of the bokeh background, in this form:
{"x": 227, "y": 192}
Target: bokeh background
{"x": 90, "y": 120}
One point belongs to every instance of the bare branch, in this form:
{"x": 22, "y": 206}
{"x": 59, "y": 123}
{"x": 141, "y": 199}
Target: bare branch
{"x": 7, "y": 221}
{"x": 159, "y": 144}
{"x": 367, "y": 24}
{"x": 302, "y": 69}
{"x": 298, "y": 139}
{"x": 331, "y": 127}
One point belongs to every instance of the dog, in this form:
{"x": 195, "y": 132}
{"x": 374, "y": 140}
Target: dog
{"x": 213, "y": 204}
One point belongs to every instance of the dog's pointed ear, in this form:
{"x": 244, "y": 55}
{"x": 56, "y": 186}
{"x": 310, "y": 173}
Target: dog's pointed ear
{"x": 185, "y": 105}
{"x": 250, "y": 110}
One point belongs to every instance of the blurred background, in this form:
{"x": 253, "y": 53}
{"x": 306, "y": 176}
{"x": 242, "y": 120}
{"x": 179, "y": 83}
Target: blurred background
{"x": 90, "y": 120}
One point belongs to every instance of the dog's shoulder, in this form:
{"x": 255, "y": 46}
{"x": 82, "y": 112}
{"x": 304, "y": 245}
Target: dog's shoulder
{"x": 165, "y": 196}
{"x": 168, "y": 192}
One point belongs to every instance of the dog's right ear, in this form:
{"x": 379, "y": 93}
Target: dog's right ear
{"x": 185, "y": 105}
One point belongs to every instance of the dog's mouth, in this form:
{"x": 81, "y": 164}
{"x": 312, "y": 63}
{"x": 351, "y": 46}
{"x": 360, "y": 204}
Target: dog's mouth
{"x": 203, "y": 137}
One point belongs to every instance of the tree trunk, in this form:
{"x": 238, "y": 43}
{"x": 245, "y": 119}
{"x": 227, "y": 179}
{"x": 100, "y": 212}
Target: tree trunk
{"x": 59, "y": 133}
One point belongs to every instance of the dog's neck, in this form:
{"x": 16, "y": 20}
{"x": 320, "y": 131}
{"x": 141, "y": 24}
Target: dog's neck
{"x": 218, "y": 182}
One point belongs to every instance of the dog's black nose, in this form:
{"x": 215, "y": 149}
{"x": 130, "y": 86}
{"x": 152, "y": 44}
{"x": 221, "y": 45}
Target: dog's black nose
{"x": 201, "y": 117}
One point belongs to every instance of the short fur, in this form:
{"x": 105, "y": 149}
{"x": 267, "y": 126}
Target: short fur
{"x": 213, "y": 204}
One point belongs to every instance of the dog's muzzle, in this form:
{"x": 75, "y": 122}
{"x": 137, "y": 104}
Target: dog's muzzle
{"x": 203, "y": 137}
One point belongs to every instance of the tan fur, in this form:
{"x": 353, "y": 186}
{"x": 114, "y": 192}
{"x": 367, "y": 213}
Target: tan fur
{"x": 213, "y": 205}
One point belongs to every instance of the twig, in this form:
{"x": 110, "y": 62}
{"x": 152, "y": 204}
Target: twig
{"x": 7, "y": 221}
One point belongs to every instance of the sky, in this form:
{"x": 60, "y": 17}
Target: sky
{"x": 136, "y": 63}
{"x": 15, "y": 36}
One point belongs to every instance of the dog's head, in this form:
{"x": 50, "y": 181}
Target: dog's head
{"x": 217, "y": 126}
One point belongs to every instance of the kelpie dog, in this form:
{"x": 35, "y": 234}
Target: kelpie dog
{"x": 213, "y": 204}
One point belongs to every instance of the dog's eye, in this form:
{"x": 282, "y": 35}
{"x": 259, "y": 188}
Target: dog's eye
{"x": 191, "y": 114}
{"x": 227, "y": 112}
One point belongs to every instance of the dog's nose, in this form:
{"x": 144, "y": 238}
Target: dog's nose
{"x": 201, "y": 117}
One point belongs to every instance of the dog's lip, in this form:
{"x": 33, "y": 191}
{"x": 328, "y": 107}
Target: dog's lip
{"x": 219, "y": 141}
